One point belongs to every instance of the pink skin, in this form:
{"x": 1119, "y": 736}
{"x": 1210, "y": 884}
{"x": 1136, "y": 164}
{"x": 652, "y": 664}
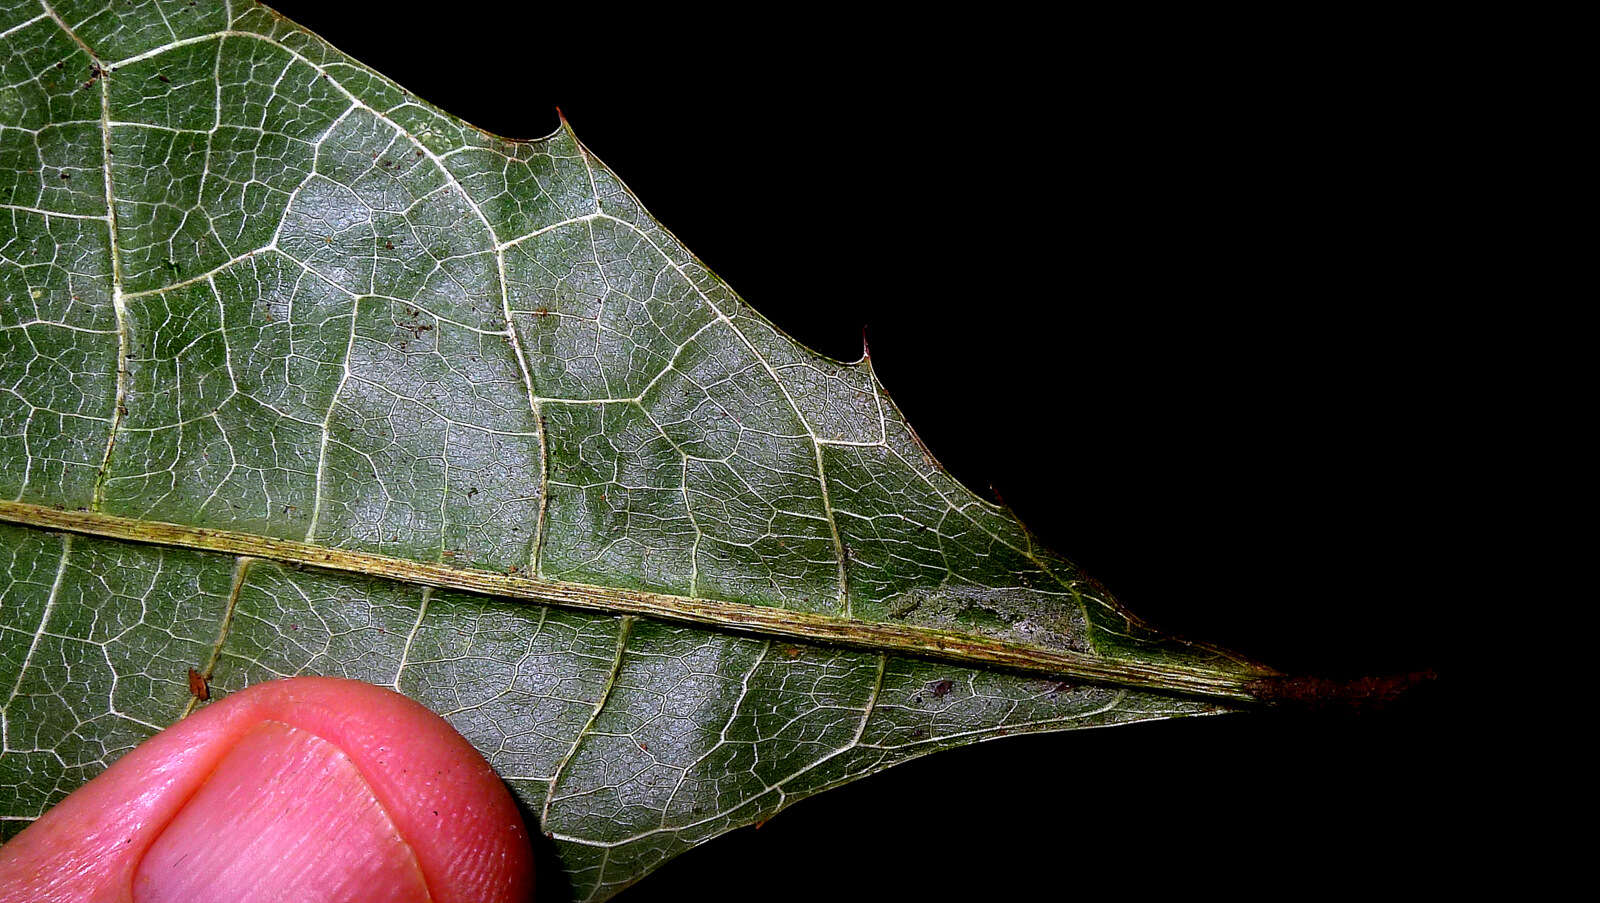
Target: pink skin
{"x": 309, "y": 789}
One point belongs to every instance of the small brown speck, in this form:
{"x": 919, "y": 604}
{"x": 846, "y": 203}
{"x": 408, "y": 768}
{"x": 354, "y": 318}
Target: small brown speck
{"x": 199, "y": 688}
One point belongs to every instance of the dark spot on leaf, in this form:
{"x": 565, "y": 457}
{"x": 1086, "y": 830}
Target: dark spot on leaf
{"x": 900, "y": 611}
{"x": 941, "y": 688}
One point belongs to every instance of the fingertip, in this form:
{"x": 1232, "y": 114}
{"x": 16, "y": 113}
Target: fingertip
{"x": 311, "y": 736}
{"x": 444, "y": 798}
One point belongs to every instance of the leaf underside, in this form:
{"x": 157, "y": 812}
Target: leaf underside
{"x": 247, "y": 283}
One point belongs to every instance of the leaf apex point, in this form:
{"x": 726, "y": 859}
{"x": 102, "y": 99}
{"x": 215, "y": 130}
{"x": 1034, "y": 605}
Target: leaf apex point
{"x": 1360, "y": 694}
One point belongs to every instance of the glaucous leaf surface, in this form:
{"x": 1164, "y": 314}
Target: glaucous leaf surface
{"x": 248, "y": 284}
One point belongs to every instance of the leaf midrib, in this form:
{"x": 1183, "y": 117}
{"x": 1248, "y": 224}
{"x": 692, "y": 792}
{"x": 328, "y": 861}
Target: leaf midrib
{"x": 738, "y": 617}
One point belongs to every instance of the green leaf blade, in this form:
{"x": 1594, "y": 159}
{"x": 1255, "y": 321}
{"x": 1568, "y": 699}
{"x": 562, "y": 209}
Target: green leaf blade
{"x": 252, "y": 286}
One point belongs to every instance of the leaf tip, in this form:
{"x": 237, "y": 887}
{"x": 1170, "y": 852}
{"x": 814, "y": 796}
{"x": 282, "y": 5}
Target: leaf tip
{"x": 1360, "y": 694}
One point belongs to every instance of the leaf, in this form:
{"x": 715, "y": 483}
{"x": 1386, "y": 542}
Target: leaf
{"x": 301, "y": 375}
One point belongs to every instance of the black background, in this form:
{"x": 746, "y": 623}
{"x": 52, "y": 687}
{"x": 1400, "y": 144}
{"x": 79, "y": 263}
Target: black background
{"x": 1178, "y": 295}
